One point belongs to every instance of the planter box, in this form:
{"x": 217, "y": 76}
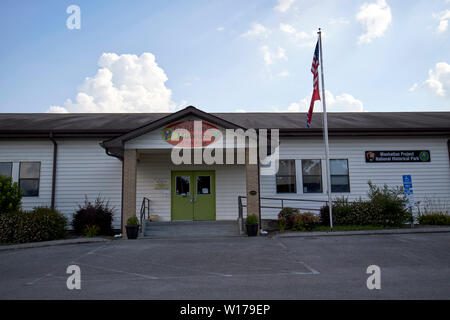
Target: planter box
{"x": 132, "y": 232}
{"x": 252, "y": 229}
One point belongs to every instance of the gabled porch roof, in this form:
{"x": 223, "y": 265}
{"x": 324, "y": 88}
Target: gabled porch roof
{"x": 114, "y": 147}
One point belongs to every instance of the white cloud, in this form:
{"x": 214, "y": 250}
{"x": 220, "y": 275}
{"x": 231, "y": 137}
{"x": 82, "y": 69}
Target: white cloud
{"x": 283, "y": 5}
{"x": 271, "y": 56}
{"x": 56, "y": 109}
{"x": 340, "y": 103}
{"x": 443, "y": 18}
{"x": 240, "y": 110}
{"x": 284, "y": 73}
{"x": 302, "y": 38}
{"x": 413, "y": 87}
{"x": 442, "y": 27}
{"x": 256, "y": 30}
{"x": 220, "y": 29}
{"x": 375, "y": 18}
{"x": 340, "y": 20}
{"x": 439, "y": 79}
{"x": 287, "y": 28}
{"x": 123, "y": 83}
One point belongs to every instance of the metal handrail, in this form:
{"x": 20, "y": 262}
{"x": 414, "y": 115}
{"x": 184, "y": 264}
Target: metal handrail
{"x": 145, "y": 208}
{"x": 241, "y": 205}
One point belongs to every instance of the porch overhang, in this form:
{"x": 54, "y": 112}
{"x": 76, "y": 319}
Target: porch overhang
{"x": 115, "y": 146}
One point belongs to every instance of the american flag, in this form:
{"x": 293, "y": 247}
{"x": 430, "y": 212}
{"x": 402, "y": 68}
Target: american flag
{"x": 316, "y": 95}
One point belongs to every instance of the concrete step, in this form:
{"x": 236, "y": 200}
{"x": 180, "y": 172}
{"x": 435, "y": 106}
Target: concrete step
{"x": 190, "y": 229}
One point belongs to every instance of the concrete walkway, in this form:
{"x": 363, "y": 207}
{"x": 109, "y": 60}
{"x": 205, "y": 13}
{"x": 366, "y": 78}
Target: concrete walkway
{"x": 51, "y": 243}
{"x": 289, "y": 234}
{"x": 190, "y": 229}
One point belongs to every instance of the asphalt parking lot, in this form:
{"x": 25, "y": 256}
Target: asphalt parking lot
{"x": 413, "y": 266}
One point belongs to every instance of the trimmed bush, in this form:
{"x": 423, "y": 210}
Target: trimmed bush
{"x": 385, "y": 207}
{"x": 389, "y": 205}
{"x": 10, "y": 195}
{"x": 97, "y": 213}
{"x": 439, "y": 219}
{"x": 286, "y": 218}
{"x": 305, "y": 221}
{"x": 40, "y": 224}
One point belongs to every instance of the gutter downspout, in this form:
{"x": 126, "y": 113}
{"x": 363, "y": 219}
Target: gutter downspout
{"x": 55, "y": 153}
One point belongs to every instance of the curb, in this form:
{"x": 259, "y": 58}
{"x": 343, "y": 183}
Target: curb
{"x": 359, "y": 232}
{"x": 51, "y": 243}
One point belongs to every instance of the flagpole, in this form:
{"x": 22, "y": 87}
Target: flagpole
{"x": 325, "y": 133}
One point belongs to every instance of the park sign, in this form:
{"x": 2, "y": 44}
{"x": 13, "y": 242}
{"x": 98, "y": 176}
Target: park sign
{"x": 188, "y": 134}
{"x": 398, "y": 156}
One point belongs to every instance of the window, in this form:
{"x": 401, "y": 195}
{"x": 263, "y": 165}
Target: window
{"x": 286, "y": 177}
{"x": 340, "y": 181}
{"x": 203, "y": 185}
{"x": 6, "y": 169}
{"x": 29, "y": 173}
{"x": 182, "y": 185}
{"x": 312, "y": 176}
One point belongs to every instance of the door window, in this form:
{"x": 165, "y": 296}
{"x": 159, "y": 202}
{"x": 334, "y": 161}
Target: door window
{"x": 182, "y": 185}
{"x": 203, "y": 185}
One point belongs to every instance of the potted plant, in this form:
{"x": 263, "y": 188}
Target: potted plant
{"x": 132, "y": 227}
{"x": 251, "y": 222}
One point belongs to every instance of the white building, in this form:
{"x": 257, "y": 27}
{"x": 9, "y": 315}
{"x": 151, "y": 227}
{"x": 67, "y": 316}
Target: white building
{"x": 58, "y": 159}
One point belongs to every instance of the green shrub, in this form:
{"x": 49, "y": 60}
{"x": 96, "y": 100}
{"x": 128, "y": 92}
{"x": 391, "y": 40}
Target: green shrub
{"x": 97, "y": 213}
{"x": 251, "y": 219}
{"x": 385, "y": 207}
{"x": 281, "y": 225}
{"x": 306, "y": 220}
{"x": 132, "y": 221}
{"x": 91, "y": 231}
{"x": 389, "y": 205}
{"x": 439, "y": 219}
{"x": 40, "y": 224}
{"x": 10, "y": 195}
{"x": 286, "y": 217}
{"x": 341, "y": 208}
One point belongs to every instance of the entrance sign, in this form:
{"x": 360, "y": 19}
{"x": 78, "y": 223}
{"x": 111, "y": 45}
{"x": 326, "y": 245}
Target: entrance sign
{"x": 161, "y": 184}
{"x": 195, "y": 138}
{"x": 398, "y": 156}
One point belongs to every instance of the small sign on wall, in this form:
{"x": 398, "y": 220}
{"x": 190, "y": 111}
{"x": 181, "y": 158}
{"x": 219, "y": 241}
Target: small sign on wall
{"x": 398, "y": 156}
{"x": 161, "y": 184}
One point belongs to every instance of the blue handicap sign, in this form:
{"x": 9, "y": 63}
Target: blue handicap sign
{"x": 407, "y": 181}
{"x": 408, "y": 192}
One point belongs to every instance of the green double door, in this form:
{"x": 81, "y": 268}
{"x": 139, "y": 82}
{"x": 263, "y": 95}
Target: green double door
{"x": 193, "y": 195}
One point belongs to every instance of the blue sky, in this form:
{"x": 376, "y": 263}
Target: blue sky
{"x": 147, "y": 56}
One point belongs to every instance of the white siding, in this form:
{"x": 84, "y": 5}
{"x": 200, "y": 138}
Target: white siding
{"x": 230, "y": 182}
{"x": 83, "y": 168}
{"x": 20, "y": 150}
{"x": 430, "y": 180}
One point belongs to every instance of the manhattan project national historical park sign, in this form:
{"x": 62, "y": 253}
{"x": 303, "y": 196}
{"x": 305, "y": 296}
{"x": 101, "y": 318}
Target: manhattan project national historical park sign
{"x": 398, "y": 156}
